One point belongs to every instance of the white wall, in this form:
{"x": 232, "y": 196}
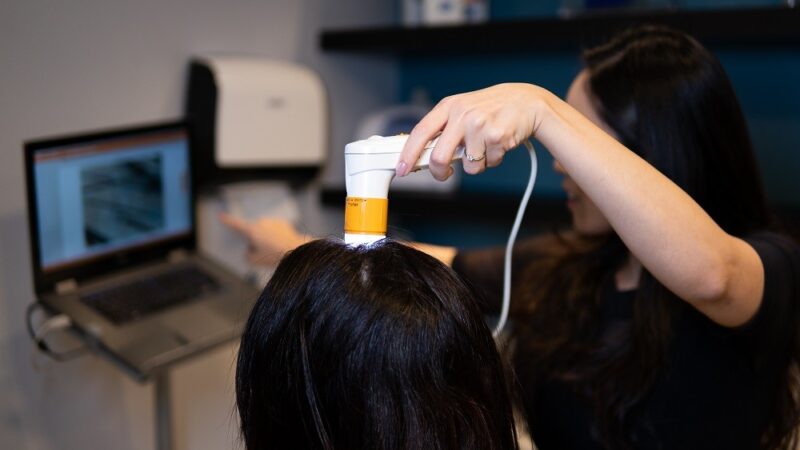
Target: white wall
{"x": 67, "y": 66}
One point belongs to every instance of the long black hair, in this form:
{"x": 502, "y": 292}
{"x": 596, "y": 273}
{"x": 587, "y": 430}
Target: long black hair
{"x": 380, "y": 347}
{"x": 669, "y": 100}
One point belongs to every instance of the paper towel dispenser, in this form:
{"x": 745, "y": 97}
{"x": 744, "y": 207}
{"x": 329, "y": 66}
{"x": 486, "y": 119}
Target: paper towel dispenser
{"x": 255, "y": 118}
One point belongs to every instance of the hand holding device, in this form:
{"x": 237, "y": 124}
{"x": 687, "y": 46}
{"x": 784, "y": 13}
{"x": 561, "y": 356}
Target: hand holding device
{"x": 489, "y": 122}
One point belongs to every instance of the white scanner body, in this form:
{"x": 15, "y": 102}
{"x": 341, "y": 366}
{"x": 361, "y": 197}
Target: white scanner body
{"x": 369, "y": 170}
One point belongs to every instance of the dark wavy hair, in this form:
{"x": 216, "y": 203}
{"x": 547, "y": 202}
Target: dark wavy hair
{"x": 669, "y": 100}
{"x": 380, "y": 347}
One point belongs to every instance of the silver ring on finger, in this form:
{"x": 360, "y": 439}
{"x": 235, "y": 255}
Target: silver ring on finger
{"x": 471, "y": 158}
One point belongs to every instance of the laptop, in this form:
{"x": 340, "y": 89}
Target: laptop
{"x": 113, "y": 242}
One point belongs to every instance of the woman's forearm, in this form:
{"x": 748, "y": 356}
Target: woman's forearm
{"x": 664, "y": 228}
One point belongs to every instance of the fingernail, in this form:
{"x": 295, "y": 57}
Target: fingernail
{"x": 402, "y": 169}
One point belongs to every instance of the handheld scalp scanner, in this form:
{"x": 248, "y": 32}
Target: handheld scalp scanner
{"x": 369, "y": 170}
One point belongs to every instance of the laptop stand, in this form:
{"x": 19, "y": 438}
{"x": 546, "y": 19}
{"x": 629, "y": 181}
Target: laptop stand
{"x": 162, "y": 411}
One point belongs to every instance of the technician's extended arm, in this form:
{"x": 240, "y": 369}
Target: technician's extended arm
{"x": 664, "y": 228}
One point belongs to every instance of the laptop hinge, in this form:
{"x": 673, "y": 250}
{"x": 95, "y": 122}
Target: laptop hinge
{"x": 66, "y": 286}
{"x": 177, "y": 255}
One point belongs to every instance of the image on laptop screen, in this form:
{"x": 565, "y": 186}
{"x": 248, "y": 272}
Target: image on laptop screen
{"x": 106, "y": 195}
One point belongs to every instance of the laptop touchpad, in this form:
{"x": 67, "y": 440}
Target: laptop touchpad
{"x": 142, "y": 350}
{"x": 197, "y": 323}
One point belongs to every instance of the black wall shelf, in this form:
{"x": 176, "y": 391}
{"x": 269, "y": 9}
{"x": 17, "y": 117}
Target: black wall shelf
{"x": 741, "y": 27}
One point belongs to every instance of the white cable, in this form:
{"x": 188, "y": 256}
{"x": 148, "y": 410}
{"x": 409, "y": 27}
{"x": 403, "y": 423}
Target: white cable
{"x": 501, "y": 322}
{"x": 59, "y": 322}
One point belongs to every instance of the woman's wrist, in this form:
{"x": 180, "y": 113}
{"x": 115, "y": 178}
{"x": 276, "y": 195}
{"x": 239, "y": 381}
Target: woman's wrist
{"x": 541, "y": 107}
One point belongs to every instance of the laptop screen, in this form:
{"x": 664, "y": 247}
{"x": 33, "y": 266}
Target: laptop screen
{"x": 106, "y": 195}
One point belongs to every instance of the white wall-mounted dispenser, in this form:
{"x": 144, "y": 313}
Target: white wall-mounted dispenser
{"x": 253, "y": 117}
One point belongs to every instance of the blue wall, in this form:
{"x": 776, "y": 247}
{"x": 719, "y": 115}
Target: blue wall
{"x": 450, "y": 75}
{"x": 767, "y": 82}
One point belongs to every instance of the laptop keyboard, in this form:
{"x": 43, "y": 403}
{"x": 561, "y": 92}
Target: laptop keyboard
{"x": 134, "y": 300}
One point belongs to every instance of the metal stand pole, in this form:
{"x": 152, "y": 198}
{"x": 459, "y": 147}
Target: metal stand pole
{"x": 163, "y": 410}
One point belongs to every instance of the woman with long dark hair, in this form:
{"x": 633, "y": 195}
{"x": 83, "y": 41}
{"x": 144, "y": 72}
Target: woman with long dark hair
{"x": 380, "y": 348}
{"x": 667, "y": 317}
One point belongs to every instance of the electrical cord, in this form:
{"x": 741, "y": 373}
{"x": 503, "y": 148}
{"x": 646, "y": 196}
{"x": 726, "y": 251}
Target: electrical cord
{"x": 54, "y": 323}
{"x": 523, "y": 204}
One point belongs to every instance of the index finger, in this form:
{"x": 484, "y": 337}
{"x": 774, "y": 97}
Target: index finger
{"x": 238, "y": 225}
{"x": 423, "y": 132}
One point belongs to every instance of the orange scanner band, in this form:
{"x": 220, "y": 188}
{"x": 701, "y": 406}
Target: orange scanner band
{"x": 365, "y": 215}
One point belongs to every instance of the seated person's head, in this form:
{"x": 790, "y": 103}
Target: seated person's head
{"x": 379, "y": 347}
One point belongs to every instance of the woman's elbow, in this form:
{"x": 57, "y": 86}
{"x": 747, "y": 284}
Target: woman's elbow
{"x": 716, "y": 297}
{"x": 712, "y": 285}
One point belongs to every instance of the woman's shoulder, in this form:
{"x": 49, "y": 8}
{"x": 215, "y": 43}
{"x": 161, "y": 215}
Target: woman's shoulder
{"x": 780, "y": 257}
{"x": 775, "y": 247}
{"x": 776, "y": 318}
{"x": 776, "y": 236}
